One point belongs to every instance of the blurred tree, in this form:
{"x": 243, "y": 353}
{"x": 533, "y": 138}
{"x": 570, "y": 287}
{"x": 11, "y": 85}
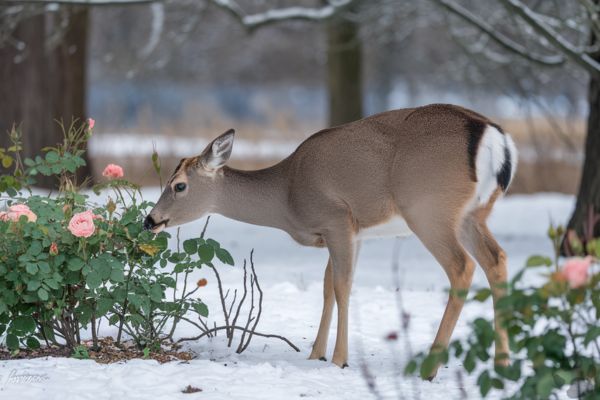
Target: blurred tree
{"x": 42, "y": 77}
{"x": 344, "y": 71}
{"x": 344, "y": 53}
{"x": 549, "y": 34}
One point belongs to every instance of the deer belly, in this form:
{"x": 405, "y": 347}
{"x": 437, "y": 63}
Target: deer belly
{"x": 394, "y": 227}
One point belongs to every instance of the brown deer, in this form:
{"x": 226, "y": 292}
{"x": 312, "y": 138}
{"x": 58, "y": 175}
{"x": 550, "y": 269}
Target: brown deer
{"x": 434, "y": 171}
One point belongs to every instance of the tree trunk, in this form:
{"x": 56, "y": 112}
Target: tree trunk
{"x": 44, "y": 82}
{"x": 588, "y": 198}
{"x": 589, "y": 188}
{"x": 344, "y": 71}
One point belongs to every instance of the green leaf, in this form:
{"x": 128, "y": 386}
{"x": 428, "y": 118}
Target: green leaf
{"x": 538, "y": 261}
{"x": 12, "y": 342}
{"x": 52, "y": 157}
{"x": 32, "y": 343}
{"x": 592, "y": 334}
{"x": 482, "y": 295}
{"x": 103, "y": 306}
{"x": 93, "y": 280}
{"x": 117, "y": 275}
{"x": 206, "y": 253}
{"x": 31, "y": 268}
{"x": 44, "y": 267}
{"x": 33, "y": 285}
{"x": 190, "y": 246}
{"x": 213, "y": 243}
{"x": 75, "y": 264}
{"x": 545, "y": 385}
{"x": 224, "y": 256}
{"x": 101, "y": 266}
{"x": 201, "y": 308}
{"x": 24, "y": 323}
{"x": 428, "y": 366}
{"x": 7, "y": 161}
{"x": 156, "y": 293}
{"x": 42, "y": 294}
{"x": 410, "y": 368}
{"x": 35, "y": 248}
{"x": 485, "y": 383}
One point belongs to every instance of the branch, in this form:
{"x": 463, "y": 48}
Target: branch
{"x": 81, "y": 2}
{"x": 557, "y": 40}
{"x": 253, "y": 21}
{"x": 220, "y": 328}
{"x": 501, "y": 39}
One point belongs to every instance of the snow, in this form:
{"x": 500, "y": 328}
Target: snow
{"x": 291, "y": 277}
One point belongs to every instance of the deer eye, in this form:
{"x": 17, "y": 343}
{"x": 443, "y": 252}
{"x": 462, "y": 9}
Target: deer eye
{"x": 180, "y": 187}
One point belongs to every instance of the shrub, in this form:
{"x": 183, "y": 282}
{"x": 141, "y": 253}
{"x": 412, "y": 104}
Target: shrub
{"x": 67, "y": 262}
{"x": 553, "y": 326}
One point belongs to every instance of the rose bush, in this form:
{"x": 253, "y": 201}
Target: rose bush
{"x": 67, "y": 263}
{"x": 553, "y": 326}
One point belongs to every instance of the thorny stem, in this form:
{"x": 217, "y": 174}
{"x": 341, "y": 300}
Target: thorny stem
{"x": 125, "y": 302}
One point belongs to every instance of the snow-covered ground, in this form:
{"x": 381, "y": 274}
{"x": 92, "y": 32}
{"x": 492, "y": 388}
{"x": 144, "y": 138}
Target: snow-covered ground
{"x": 291, "y": 277}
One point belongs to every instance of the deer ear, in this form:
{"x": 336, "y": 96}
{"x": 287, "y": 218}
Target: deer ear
{"x": 217, "y": 153}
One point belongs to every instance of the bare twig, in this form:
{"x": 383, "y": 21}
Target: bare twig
{"x": 260, "y": 301}
{"x": 221, "y": 296}
{"x": 237, "y": 313}
{"x": 249, "y": 320}
{"x": 254, "y": 21}
{"x": 220, "y": 328}
{"x": 500, "y": 39}
{"x": 552, "y": 36}
{"x": 205, "y": 226}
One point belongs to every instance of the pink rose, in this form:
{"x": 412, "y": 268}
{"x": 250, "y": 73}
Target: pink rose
{"x": 575, "y": 271}
{"x": 82, "y": 224}
{"x": 16, "y": 211}
{"x": 53, "y": 249}
{"x": 113, "y": 171}
{"x": 91, "y": 123}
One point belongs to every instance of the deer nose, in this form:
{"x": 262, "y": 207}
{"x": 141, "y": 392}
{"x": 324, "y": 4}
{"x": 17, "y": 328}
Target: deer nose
{"x": 149, "y": 223}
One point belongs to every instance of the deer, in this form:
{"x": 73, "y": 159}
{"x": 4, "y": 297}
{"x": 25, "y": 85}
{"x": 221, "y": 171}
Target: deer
{"x": 434, "y": 171}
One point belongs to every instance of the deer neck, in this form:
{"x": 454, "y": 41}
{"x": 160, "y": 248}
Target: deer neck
{"x": 257, "y": 197}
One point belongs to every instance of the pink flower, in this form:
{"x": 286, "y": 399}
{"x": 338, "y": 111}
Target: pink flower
{"x": 91, "y": 123}
{"x": 82, "y": 224}
{"x": 98, "y": 217}
{"x": 16, "y": 211}
{"x": 575, "y": 271}
{"x": 113, "y": 171}
{"x": 53, "y": 249}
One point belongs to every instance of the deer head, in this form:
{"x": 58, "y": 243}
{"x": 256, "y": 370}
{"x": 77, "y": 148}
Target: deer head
{"x": 190, "y": 193}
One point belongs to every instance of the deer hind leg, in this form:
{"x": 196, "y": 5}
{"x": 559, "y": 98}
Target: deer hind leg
{"x": 320, "y": 346}
{"x": 440, "y": 237}
{"x": 479, "y": 241}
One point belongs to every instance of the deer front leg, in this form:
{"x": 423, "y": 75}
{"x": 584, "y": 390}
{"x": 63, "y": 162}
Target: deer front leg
{"x": 342, "y": 254}
{"x": 320, "y": 346}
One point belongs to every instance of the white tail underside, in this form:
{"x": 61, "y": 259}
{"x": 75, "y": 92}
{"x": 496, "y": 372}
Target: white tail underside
{"x": 489, "y": 161}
